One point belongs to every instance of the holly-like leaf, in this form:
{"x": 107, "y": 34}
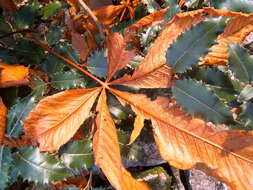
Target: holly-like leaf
{"x": 107, "y": 155}
{"x": 30, "y": 52}
{"x": 17, "y": 114}
{"x": 39, "y": 89}
{"x": 53, "y": 64}
{"x": 27, "y": 15}
{"x": 190, "y": 47}
{"x": 246, "y": 93}
{"x": 246, "y": 115}
{"x": 50, "y": 9}
{"x": 216, "y": 80}
{"x": 118, "y": 57}
{"x": 67, "y": 80}
{"x": 241, "y": 63}
{"x": 245, "y": 6}
{"x": 5, "y": 165}
{"x": 44, "y": 167}
{"x": 55, "y": 119}
{"x": 97, "y": 64}
{"x": 78, "y": 155}
{"x": 199, "y": 100}
{"x": 3, "y": 114}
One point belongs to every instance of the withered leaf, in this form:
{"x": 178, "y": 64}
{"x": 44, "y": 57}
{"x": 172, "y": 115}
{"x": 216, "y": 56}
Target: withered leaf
{"x": 3, "y": 113}
{"x": 107, "y": 152}
{"x": 56, "y": 118}
{"x": 118, "y": 56}
{"x": 12, "y": 74}
{"x": 187, "y": 142}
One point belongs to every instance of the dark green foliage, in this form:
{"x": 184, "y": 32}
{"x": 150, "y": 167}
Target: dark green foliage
{"x": 245, "y": 6}
{"x": 53, "y": 64}
{"x": 44, "y": 167}
{"x": 246, "y": 93}
{"x": 78, "y": 155}
{"x": 188, "y": 48}
{"x": 67, "y": 80}
{"x": 17, "y": 114}
{"x": 97, "y": 64}
{"x": 241, "y": 63}
{"x": 50, "y": 9}
{"x": 246, "y": 116}
{"x": 30, "y": 52}
{"x": 39, "y": 89}
{"x": 218, "y": 81}
{"x": 54, "y": 35}
{"x": 199, "y": 100}
{"x": 5, "y": 164}
{"x": 4, "y": 27}
{"x": 27, "y": 15}
{"x": 157, "y": 178}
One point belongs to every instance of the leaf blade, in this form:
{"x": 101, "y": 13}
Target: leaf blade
{"x": 56, "y": 118}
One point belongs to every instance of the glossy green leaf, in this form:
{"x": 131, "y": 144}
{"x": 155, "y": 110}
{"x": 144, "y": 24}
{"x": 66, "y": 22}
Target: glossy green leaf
{"x": 39, "y": 89}
{"x": 241, "y": 63}
{"x": 97, "y": 64}
{"x": 67, "y": 80}
{"x": 190, "y": 47}
{"x": 17, "y": 114}
{"x": 27, "y": 14}
{"x": 199, "y": 100}
{"x": 157, "y": 178}
{"x": 78, "y": 155}
{"x": 50, "y": 9}
{"x": 20, "y": 110}
{"x": 245, "y": 6}
{"x": 54, "y": 36}
{"x": 53, "y": 64}
{"x": 5, "y": 164}
{"x": 218, "y": 81}
{"x": 36, "y": 166}
{"x": 29, "y": 51}
{"x": 246, "y": 115}
{"x": 246, "y": 93}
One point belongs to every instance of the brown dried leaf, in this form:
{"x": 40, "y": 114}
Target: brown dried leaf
{"x": 55, "y": 119}
{"x": 95, "y": 4}
{"x": 235, "y": 32}
{"x": 12, "y": 72}
{"x": 74, "y": 4}
{"x": 107, "y": 153}
{"x": 156, "y": 54}
{"x": 159, "y": 78}
{"x": 147, "y": 21}
{"x": 187, "y": 142}
{"x": 3, "y": 113}
{"x": 118, "y": 57}
{"x": 8, "y": 5}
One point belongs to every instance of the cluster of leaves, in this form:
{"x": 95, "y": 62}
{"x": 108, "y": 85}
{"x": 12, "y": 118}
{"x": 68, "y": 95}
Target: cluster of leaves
{"x": 82, "y": 85}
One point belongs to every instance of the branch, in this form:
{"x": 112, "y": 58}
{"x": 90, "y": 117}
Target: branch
{"x": 68, "y": 61}
{"x": 15, "y": 83}
{"x": 18, "y": 31}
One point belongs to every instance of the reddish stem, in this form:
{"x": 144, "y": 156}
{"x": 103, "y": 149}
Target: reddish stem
{"x": 69, "y": 62}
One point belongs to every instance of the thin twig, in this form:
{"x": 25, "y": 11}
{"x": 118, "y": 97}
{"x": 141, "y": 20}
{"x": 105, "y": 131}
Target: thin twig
{"x": 94, "y": 18}
{"x": 18, "y": 31}
{"x": 68, "y": 61}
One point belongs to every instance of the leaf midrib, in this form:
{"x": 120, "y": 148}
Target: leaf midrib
{"x": 181, "y": 129}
